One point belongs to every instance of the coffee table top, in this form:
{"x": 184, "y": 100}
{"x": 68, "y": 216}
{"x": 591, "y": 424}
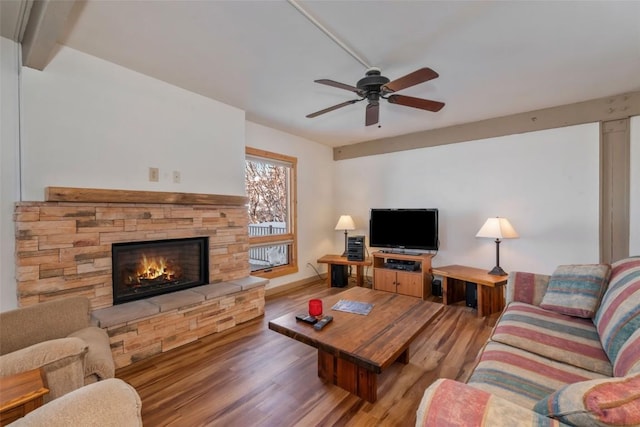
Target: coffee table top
{"x": 373, "y": 341}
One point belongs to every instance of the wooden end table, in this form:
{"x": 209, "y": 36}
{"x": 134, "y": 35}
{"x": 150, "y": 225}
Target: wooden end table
{"x": 342, "y": 260}
{"x": 490, "y": 288}
{"x": 20, "y": 394}
{"x": 354, "y": 349}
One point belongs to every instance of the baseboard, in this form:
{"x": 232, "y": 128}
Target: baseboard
{"x": 271, "y": 292}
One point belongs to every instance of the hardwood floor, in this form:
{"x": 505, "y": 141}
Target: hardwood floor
{"x": 252, "y": 376}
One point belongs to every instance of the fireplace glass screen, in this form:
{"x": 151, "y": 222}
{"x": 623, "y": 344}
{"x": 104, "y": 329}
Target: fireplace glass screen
{"x": 144, "y": 269}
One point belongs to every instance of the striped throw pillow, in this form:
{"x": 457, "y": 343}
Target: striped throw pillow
{"x": 576, "y": 290}
{"x": 604, "y": 402}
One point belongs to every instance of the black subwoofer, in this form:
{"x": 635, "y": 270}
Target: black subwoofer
{"x": 436, "y": 288}
{"x": 472, "y": 295}
{"x": 339, "y": 275}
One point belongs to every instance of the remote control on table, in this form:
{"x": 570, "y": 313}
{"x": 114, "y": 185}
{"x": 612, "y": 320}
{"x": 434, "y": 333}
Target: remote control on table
{"x": 322, "y": 323}
{"x": 307, "y": 318}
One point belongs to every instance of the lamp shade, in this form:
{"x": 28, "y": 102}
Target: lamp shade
{"x": 498, "y": 228}
{"x": 345, "y": 223}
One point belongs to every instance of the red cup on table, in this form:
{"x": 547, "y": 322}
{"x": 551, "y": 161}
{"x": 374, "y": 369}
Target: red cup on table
{"x": 315, "y": 307}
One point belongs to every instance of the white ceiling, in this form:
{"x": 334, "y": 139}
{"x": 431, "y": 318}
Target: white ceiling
{"x": 494, "y": 58}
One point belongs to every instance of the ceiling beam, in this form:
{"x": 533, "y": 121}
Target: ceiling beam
{"x": 13, "y": 18}
{"x": 602, "y": 109}
{"x": 46, "y": 23}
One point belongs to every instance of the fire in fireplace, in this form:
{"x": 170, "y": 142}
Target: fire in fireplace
{"x": 144, "y": 269}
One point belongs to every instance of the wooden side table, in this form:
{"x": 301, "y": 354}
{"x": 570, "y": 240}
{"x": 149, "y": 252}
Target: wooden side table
{"x": 340, "y": 260}
{"x": 20, "y": 394}
{"x": 490, "y": 288}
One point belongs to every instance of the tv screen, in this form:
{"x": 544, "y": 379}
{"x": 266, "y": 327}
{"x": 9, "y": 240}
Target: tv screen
{"x": 404, "y": 228}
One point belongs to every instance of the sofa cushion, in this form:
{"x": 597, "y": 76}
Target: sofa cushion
{"x": 606, "y": 402}
{"x": 628, "y": 361}
{"x": 523, "y": 377}
{"x": 576, "y": 290}
{"x": 449, "y": 403}
{"x": 526, "y": 287}
{"x": 556, "y": 336}
{"x": 618, "y": 318}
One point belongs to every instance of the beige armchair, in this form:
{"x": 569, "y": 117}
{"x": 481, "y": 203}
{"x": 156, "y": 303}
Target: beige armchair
{"x": 111, "y": 402}
{"x": 57, "y": 337}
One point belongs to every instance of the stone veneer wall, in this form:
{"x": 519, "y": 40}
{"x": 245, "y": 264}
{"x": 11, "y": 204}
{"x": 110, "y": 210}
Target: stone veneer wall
{"x": 64, "y": 248}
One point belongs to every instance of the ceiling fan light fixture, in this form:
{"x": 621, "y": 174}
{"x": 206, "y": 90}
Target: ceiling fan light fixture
{"x": 374, "y": 86}
{"x": 372, "y": 81}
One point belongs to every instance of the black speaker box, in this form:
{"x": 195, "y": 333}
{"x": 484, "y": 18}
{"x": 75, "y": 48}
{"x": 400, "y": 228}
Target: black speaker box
{"x": 472, "y": 295}
{"x": 436, "y": 288}
{"x": 355, "y": 248}
{"x": 339, "y": 275}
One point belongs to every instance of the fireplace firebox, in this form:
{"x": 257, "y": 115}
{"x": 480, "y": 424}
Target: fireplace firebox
{"x": 144, "y": 269}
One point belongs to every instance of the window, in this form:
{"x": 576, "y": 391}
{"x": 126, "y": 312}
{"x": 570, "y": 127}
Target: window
{"x": 270, "y": 181}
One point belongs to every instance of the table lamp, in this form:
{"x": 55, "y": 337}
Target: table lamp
{"x": 345, "y": 223}
{"x": 497, "y": 228}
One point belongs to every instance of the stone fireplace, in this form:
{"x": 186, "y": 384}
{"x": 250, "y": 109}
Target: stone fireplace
{"x": 64, "y": 246}
{"x": 144, "y": 269}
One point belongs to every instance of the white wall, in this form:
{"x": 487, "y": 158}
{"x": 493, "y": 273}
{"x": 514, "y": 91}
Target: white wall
{"x": 91, "y": 123}
{"x": 634, "y": 211}
{"x": 9, "y": 185}
{"x": 546, "y": 183}
{"x": 316, "y": 215}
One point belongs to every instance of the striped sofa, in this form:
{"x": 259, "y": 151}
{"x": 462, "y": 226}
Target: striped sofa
{"x": 551, "y": 362}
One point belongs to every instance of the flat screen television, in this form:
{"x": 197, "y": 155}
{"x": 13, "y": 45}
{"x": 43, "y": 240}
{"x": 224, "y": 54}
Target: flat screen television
{"x": 400, "y": 229}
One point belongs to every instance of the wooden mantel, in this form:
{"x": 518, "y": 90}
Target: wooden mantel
{"x": 95, "y": 195}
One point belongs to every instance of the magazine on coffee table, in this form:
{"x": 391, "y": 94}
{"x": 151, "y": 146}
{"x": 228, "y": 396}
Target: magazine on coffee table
{"x": 355, "y": 307}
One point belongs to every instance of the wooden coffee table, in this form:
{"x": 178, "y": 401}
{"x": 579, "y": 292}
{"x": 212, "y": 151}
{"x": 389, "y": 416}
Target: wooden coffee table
{"x": 354, "y": 348}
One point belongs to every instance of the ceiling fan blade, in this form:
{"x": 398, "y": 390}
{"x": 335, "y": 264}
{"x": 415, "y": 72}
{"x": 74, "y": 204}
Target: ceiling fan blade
{"x": 373, "y": 114}
{"x": 411, "y": 79}
{"x": 409, "y": 101}
{"x": 338, "y": 85}
{"x": 335, "y": 107}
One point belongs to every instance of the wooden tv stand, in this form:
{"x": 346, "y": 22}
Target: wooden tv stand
{"x": 416, "y": 283}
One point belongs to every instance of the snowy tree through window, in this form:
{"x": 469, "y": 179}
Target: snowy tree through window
{"x": 270, "y": 183}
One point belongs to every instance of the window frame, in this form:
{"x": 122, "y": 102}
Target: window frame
{"x": 289, "y": 238}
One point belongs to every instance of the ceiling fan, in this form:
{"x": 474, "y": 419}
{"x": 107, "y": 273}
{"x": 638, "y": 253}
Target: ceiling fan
{"x": 374, "y": 86}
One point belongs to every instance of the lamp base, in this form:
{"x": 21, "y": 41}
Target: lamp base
{"x": 497, "y": 271}
{"x": 344, "y": 254}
